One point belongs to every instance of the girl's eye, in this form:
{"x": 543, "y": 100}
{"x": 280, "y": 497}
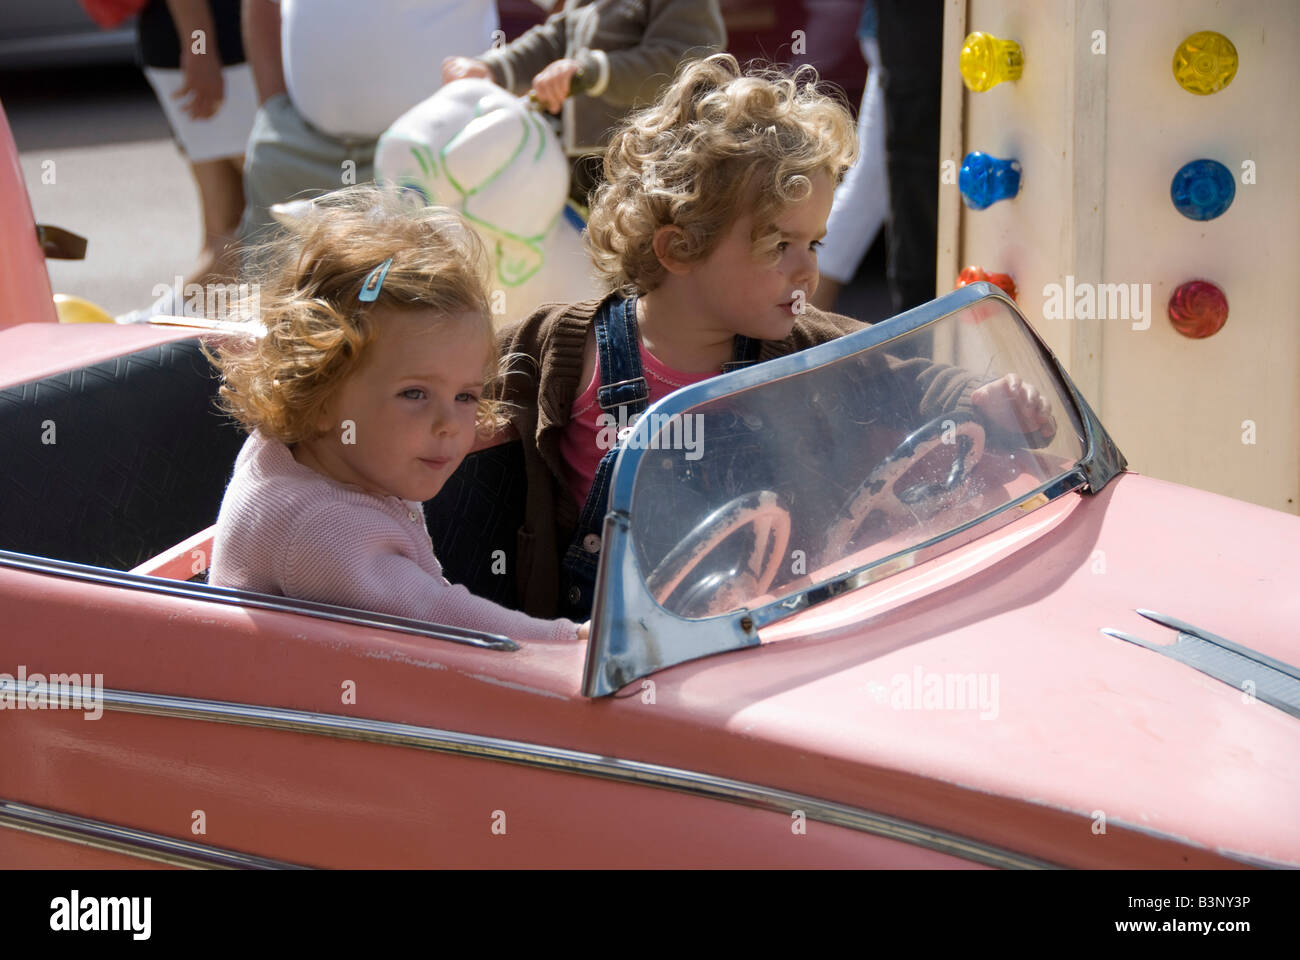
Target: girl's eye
{"x": 419, "y": 394}
{"x": 816, "y": 245}
{"x": 467, "y": 397}
{"x": 781, "y": 246}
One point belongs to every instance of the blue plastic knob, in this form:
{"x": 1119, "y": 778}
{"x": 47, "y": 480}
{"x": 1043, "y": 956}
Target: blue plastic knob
{"x": 1203, "y": 189}
{"x": 985, "y": 180}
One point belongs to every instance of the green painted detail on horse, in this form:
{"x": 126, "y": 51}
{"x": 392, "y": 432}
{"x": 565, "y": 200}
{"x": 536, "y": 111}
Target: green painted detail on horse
{"x": 541, "y": 135}
{"x": 518, "y": 258}
{"x": 424, "y": 167}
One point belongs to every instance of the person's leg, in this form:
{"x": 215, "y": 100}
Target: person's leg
{"x": 213, "y": 151}
{"x": 221, "y": 200}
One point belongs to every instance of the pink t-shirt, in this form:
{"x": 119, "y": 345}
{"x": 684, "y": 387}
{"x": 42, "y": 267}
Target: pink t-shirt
{"x": 578, "y": 443}
{"x": 287, "y": 530}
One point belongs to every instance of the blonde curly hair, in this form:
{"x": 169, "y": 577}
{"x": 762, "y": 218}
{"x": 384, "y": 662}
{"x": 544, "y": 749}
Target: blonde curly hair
{"x": 718, "y": 141}
{"x": 317, "y": 330}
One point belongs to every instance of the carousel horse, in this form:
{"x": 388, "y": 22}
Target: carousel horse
{"x": 478, "y": 149}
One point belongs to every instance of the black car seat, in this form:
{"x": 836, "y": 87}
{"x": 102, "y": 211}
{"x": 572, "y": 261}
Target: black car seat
{"x": 111, "y": 463}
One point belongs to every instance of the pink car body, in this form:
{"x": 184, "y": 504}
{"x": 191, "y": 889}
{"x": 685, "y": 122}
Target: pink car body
{"x": 238, "y": 730}
{"x": 25, "y": 294}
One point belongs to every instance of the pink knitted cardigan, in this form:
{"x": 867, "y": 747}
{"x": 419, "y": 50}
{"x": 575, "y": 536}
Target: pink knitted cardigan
{"x": 288, "y": 530}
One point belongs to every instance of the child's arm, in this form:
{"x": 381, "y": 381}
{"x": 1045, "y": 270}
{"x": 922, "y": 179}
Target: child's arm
{"x": 1016, "y": 407}
{"x": 514, "y": 65}
{"x": 1014, "y": 411}
{"x": 354, "y": 556}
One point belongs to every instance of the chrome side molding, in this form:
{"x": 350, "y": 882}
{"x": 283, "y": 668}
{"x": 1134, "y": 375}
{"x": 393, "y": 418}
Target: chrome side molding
{"x": 1269, "y": 680}
{"x": 247, "y": 599}
{"x": 560, "y": 759}
{"x": 129, "y": 841}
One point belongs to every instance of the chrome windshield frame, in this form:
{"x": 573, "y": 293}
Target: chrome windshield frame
{"x": 632, "y": 636}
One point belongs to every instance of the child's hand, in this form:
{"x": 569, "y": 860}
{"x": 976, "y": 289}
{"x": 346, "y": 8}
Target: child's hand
{"x": 461, "y": 68}
{"x": 552, "y": 84}
{"x": 1015, "y": 406}
{"x": 584, "y": 630}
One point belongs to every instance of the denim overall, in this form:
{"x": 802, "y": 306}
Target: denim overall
{"x": 624, "y": 395}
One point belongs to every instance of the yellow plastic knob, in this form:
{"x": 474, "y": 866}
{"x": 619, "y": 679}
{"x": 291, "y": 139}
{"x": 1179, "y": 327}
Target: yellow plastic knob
{"x": 987, "y": 60}
{"x": 72, "y": 309}
{"x": 1205, "y": 63}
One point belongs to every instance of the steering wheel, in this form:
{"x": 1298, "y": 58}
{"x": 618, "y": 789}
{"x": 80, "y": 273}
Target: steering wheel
{"x": 771, "y": 522}
{"x": 879, "y": 492}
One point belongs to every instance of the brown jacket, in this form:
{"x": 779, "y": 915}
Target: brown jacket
{"x": 542, "y": 385}
{"x": 628, "y": 50}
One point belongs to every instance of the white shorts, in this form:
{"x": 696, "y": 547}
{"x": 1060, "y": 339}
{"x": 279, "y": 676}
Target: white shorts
{"x": 225, "y": 133}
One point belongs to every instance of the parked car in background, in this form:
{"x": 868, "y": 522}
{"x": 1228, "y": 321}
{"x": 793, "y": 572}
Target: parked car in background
{"x": 59, "y": 33}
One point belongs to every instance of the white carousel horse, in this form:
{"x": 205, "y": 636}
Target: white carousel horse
{"x": 476, "y": 148}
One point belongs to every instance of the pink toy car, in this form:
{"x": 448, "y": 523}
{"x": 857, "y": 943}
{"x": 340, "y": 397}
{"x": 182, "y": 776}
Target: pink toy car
{"x": 827, "y": 633}
{"x": 824, "y": 635}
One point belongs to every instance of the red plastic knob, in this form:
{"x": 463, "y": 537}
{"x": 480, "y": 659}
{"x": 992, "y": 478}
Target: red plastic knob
{"x": 974, "y": 274}
{"x": 1198, "y": 309}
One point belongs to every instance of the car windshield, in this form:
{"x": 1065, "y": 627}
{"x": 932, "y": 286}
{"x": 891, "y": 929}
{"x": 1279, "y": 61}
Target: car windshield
{"x": 748, "y": 497}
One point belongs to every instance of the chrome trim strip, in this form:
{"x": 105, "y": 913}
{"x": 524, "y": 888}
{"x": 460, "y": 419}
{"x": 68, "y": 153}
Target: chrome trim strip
{"x": 1250, "y": 653}
{"x": 1241, "y": 673}
{"x": 566, "y": 761}
{"x": 249, "y": 600}
{"x": 1269, "y": 680}
{"x": 101, "y": 835}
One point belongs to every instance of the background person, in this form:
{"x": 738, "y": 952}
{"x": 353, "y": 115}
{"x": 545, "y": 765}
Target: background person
{"x": 625, "y": 50}
{"x": 193, "y": 57}
{"x": 331, "y": 76}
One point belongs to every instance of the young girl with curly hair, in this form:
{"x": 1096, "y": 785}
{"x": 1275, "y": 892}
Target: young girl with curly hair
{"x": 706, "y": 232}
{"x": 372, "y": 382}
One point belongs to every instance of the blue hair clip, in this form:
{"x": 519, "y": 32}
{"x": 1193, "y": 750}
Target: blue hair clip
{"x": 374, "y": 281}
